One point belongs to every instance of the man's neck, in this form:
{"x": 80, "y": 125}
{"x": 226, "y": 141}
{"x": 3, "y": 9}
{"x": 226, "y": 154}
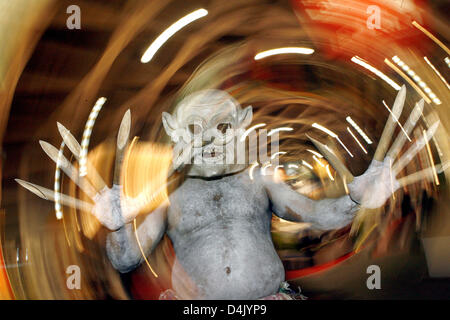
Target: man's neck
{"x": 235, "y": 171}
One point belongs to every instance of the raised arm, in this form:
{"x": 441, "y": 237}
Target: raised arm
{"x": 111, "y": 207}
{"x": 323, "y": 214}
{"x": 370, "y": 190}
{"x": 122, "y": 247}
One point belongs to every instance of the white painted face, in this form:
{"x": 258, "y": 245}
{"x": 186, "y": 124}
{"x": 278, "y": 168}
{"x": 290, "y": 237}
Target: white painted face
{"x": 207, "y": 124}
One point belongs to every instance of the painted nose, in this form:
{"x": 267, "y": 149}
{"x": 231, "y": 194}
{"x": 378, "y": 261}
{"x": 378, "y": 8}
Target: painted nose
{"x": 208, "y": 137}
{"x": 206, "y": 142}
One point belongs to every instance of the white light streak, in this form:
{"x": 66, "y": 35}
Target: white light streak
{"x": 277, "y": 167}
{"x": 431, "y": 36}
{"x": 359, "y": 143}
{"x": 329, "y": 172}
{"x": 87, "y": 134}
{"x": 264, "y": 167}
{"x": 271, "y": 132}
{"x": 169, "y": 32}
{"x": 398, "y": 122}
{"x": 307, "y": 164}
{"x": 359, "y": 130}
{"x": 272, "y": 52}
{"x": 318, "y": 161}
{"x": 252, "y": 168}
{"x": 292, "y": 166}
{"x": 392, "y": 179}
{"x": 333, "y": 135}
{"x": 417, "y": 79}
{"x": 430, "y": 155}
{"x": 277, "y": 154}
{"x": 320, "y": 127}
{"x": 406, "y": 78}
{"x": 437, "y": 72}
{"x": 374, "y": 70}
{"x": 345, "y": 185}
{"x": 315, "y": 153}
{"x": 247, "y": 132}
{"x": 57, "y": 184}
{"x": 343, "y": 145}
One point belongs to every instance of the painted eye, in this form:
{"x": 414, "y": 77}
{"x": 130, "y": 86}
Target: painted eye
{"x": 223, "y": 127}
{"x": 195, "y": 128}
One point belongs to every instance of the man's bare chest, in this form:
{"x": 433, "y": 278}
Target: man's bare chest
{"x": 198, "y": 203}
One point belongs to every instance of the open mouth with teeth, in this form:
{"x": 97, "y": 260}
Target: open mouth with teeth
{"x": 211, "y": 154}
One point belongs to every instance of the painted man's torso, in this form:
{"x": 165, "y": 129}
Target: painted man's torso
{"x": 220, "y": 230}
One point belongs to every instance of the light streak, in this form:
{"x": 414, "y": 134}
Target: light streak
{"x": 389, "y": 127}
{"x": 87, "y": 134}
{"x": 320, "y": 127}
{"x": 298, "y": 50}
{"x": 57, "y": 184}
{"x": 318, "y": 161}
{"x": 75, "y": 148}
{"x": 331, "y": 157}
{"x": 432, "y": 37}
{"x": 414, "y": 149}
{"x": 437, "y": 72}
{"x": 292, "y": 165}
{"x": 277, "y": 167}
{"x": 68, "y": 168}
{"x": 141, "y": 250}
{"x": 277, "y": 154}
{"x": 430, "y": 155}
{"x": 307, "y": 164}
{"x": 333, "y": 135}
{"x": 411, "y": 82}
{"x": 329, "y": 172}
{"x": 359, "y": 130}
{"x": 315, "y": 153}
{"x": 343, "y": 145}
{"x": 359, "y": 143}
{"x": 264, "y": 167}
{"x": 359, "y": 246}
{"x": 169, "y": 32}
{"x": 271, "y": 132}
{"x": 398, "y": 122}
{"x": 417, "y": 79}
{"x": 447, "y": 61}
{"x": 252, "y": 168}
{"x": 374, "y": 70}
{"x": 344, "y": 178}
{"x": 392, "y": 179}
{"x": 409, "y": 125}
{"x": 247, "y": 132}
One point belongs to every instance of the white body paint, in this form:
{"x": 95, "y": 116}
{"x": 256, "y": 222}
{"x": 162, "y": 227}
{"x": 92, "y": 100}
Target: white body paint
{"x": 219, "y": 220}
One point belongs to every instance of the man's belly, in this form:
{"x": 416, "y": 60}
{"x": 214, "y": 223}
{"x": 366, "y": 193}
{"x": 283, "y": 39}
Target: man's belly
{"x": 226, "y": 264}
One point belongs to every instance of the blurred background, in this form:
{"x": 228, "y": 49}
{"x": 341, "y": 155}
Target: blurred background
{"x": 353, "y": 58}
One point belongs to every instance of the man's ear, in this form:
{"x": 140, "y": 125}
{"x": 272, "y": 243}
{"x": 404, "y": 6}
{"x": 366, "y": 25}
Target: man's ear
{"x": 245, "y": 117}
{"x": 169, "y": 124}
